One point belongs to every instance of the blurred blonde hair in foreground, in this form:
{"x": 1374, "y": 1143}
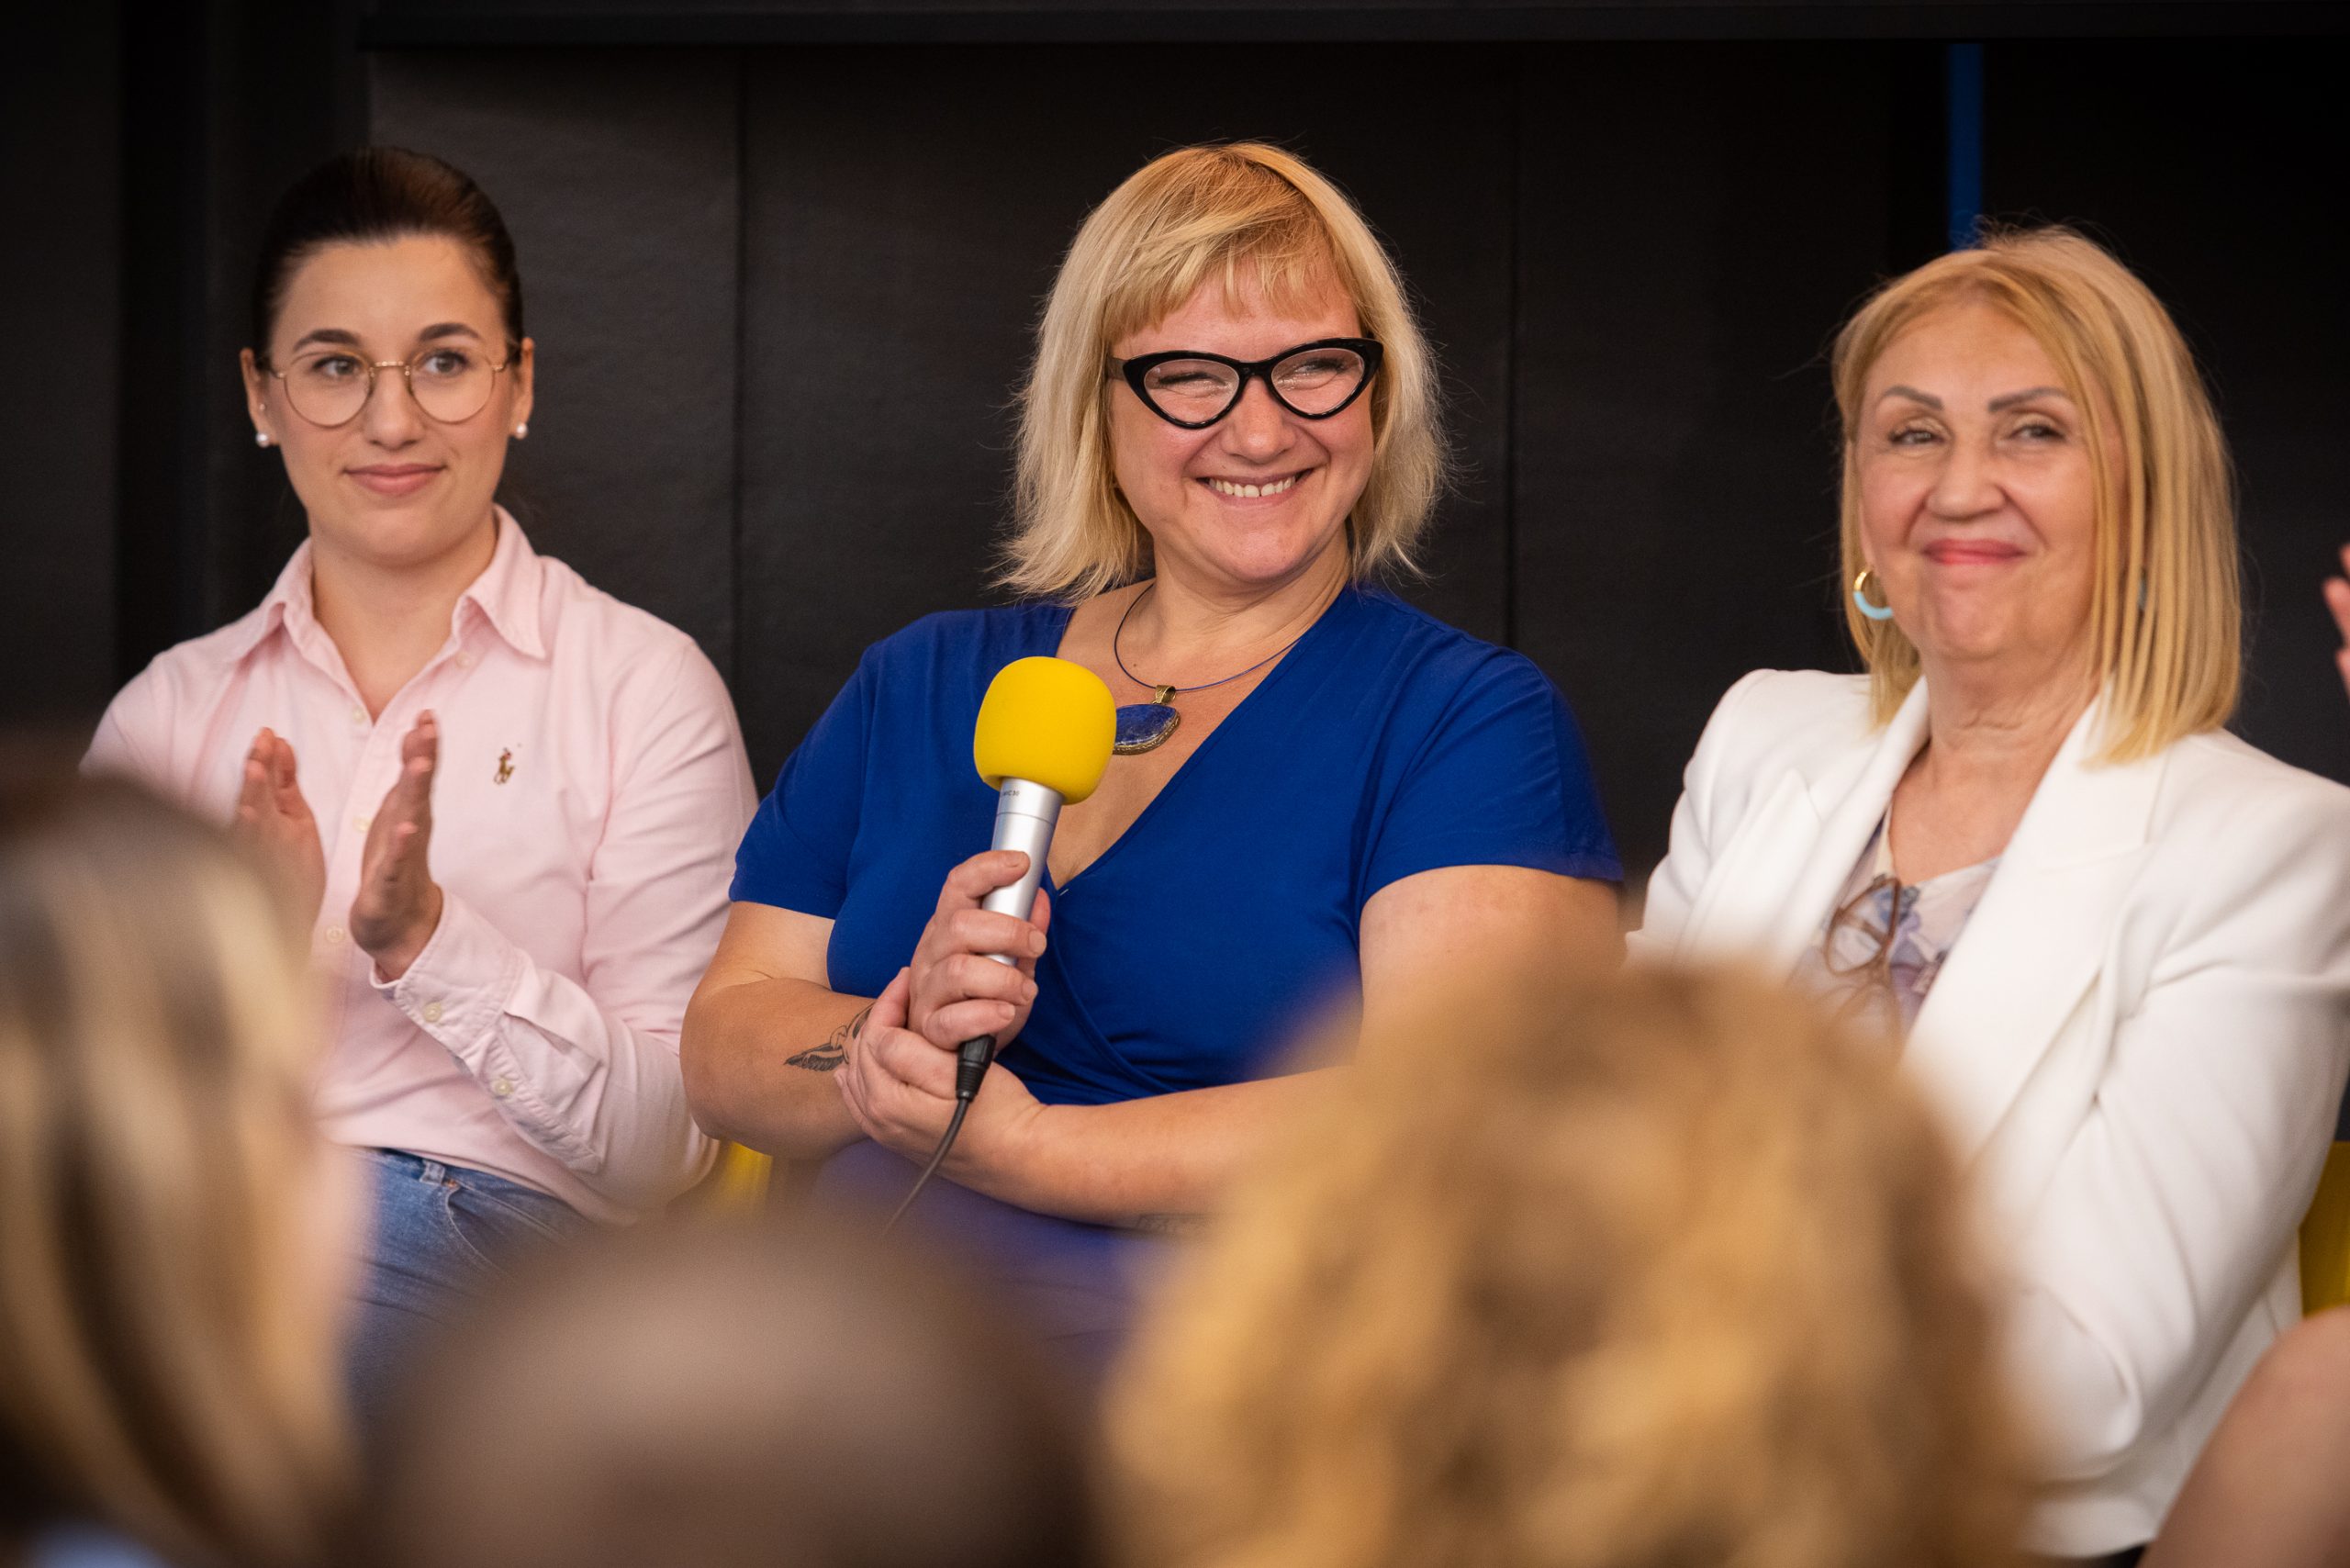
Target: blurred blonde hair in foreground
{"x": 1585, "y": 1270}
{"x": 167, "y": 1328}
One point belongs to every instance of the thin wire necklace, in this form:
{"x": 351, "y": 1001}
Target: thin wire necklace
{"x": 1145, "y": 726}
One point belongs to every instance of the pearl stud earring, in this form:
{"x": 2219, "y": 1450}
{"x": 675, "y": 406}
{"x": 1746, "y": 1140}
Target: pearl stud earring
{"x": 521, "y": 430}
{"x": 261, "y": 438}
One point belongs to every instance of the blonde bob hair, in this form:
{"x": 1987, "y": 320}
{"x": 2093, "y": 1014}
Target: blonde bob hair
{"x": 168, "y": 1362}
{"x": 1585, "y": 1270}
{"x": 1227, "y": 214}
{"x": 2165, "y": 616}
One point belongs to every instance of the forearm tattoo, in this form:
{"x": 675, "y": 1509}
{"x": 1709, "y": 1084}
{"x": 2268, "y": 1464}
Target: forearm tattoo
{"x": 834, "y": 1050}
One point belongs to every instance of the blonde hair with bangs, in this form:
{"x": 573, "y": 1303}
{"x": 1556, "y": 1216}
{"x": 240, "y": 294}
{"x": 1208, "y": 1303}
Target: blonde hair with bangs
{"x": 169, "y": 1366}
{"x": 1224, "y": 214}
{"x": 2166, "y": 616}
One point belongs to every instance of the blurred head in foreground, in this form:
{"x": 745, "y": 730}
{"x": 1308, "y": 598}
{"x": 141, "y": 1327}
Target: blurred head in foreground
{"x": 1583, "y": 1271}
{"x": 709, "y": 1398}
{"x": 169, "y": 1222}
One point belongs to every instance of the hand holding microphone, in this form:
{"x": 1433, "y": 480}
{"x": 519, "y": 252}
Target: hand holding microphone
{"x": 1043, "y": 740}
{"x": 957, "y": 993}
{"x": 898, "y": 1078}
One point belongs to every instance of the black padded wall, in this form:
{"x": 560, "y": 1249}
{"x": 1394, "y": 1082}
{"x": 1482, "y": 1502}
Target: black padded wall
{"x": 784, "y": 296}
{"x": 616, "y": 175}
{"x": 895, "y": 263}
{"x": 2215, "y": 171}
{"x": 58, "y": 404}
{"x": 1696, "y": 220}
{"x": 782, "y": 288}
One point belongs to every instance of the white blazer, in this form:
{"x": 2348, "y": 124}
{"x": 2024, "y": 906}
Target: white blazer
{"x": 2138, "y": 1044}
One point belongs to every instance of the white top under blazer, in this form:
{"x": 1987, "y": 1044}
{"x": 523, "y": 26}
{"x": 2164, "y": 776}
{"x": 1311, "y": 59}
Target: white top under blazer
{"x": 2138, "y": 1045}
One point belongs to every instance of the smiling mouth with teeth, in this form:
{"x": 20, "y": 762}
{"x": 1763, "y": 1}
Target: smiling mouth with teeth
{"x": 1249, "y": 492}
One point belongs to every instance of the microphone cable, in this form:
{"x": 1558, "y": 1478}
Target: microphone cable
{"x": 970, "y": 1070}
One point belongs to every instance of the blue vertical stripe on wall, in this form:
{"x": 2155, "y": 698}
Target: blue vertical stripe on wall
{"x": 1963, "y": 135}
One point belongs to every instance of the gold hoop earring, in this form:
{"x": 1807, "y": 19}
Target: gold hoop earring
{"x": 1861, "y": 597}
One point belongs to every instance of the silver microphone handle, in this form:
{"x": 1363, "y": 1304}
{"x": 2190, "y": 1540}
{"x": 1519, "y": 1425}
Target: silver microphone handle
{"x": 1025, "y": 816}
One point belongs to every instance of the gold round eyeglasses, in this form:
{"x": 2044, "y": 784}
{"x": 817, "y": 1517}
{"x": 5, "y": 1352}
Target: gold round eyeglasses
{"x": 450, "y": 382}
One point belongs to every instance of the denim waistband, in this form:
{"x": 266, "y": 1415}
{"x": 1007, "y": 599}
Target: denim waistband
{"x": 400, "y": 1165}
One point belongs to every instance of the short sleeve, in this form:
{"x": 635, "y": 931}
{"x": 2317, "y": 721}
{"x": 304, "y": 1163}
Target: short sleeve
{"x": 1501, "y": 778}
{"x": 796, "y": 853}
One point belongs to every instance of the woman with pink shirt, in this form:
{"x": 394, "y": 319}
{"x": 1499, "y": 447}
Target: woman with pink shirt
{"x": 511, "y": 801}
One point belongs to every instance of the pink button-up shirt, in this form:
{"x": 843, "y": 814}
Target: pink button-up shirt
{"x": 591, "y": 792}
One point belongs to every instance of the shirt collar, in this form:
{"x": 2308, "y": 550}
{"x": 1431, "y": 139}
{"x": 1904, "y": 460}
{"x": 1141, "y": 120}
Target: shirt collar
{"x": 288, "y": 601}
{"x": 506, "y": 595}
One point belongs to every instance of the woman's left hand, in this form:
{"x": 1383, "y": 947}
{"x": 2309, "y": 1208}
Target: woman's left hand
{"x": 900, "y": 1089}
{"x": 398, "y": 906}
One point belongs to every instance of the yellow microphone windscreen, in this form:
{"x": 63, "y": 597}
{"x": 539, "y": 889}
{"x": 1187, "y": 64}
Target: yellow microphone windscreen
{"x": 1049, "y": 721}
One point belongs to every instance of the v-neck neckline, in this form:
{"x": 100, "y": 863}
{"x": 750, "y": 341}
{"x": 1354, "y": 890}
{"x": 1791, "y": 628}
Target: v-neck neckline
{"x": 1880, "y": 860}
{"x": 1288, "y": 661}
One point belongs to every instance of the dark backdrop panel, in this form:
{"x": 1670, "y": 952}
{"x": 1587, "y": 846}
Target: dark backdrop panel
{"x": 1632, "y": 256}
{"x": 1694, "y": 222}
{"x": 223, "y": 107}
{"x": 2214, "y": 169}
{"x": 1253, "y": 22}
{"x": 60, "y": 106}
{"x": 906, "y": 209}
{"x": 616, "y": 174}
{"x": 141, "y": 148}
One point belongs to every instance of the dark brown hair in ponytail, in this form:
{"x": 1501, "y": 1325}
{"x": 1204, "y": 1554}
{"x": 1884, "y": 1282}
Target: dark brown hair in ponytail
{"x": 374, "y": 194}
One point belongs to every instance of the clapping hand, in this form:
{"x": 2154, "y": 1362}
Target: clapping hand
{"x": 274, "y": 821}
{"x": 398, "y": 904}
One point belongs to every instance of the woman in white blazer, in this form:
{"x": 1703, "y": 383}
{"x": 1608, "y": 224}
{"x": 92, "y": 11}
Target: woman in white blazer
{"x": 2272, "y": 1489}
{"x": 2114, "y": 939}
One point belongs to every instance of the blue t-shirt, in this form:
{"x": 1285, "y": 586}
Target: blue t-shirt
{"x": 88, "y": 1546}
{"x": 1228, "y": 917}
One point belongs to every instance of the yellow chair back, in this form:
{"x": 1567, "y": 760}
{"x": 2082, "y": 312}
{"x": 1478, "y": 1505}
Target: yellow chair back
{"x": 2325, "y": 1237}
{"x": 738, "y": 1183}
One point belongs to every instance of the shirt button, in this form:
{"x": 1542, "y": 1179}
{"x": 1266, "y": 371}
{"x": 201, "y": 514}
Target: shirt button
{"x": 335, "y": 934}
{"x": 362, "y": 824}
{"x": 464, "y": 661}
{"x": 501, "y": 1087}
{"x": 359, "y": 718}
{"x": 432, "y": 1013}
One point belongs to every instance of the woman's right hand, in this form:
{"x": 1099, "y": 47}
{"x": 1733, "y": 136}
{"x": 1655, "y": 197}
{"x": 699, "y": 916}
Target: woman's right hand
{"x": 275, "y": 821}
{"x": 958, "y": 992}
{"x": 2337, "y": 600}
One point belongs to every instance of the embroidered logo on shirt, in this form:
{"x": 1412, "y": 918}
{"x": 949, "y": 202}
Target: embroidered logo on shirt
{"x": 505, "y": 765}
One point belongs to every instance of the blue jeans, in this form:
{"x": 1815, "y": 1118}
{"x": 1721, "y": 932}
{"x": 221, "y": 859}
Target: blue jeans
{"x": 444, "y": 1234}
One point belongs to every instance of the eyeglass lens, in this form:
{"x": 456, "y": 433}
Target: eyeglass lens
{"x": 1312, "y": 381}
{"x": 450, "y": 384}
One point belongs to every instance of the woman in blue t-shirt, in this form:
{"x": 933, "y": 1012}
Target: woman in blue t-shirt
{"x": 1321, "y": 794}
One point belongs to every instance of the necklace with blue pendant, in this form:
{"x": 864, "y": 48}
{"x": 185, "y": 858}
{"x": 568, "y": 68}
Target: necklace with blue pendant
{"x": 1145, "y": 726}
